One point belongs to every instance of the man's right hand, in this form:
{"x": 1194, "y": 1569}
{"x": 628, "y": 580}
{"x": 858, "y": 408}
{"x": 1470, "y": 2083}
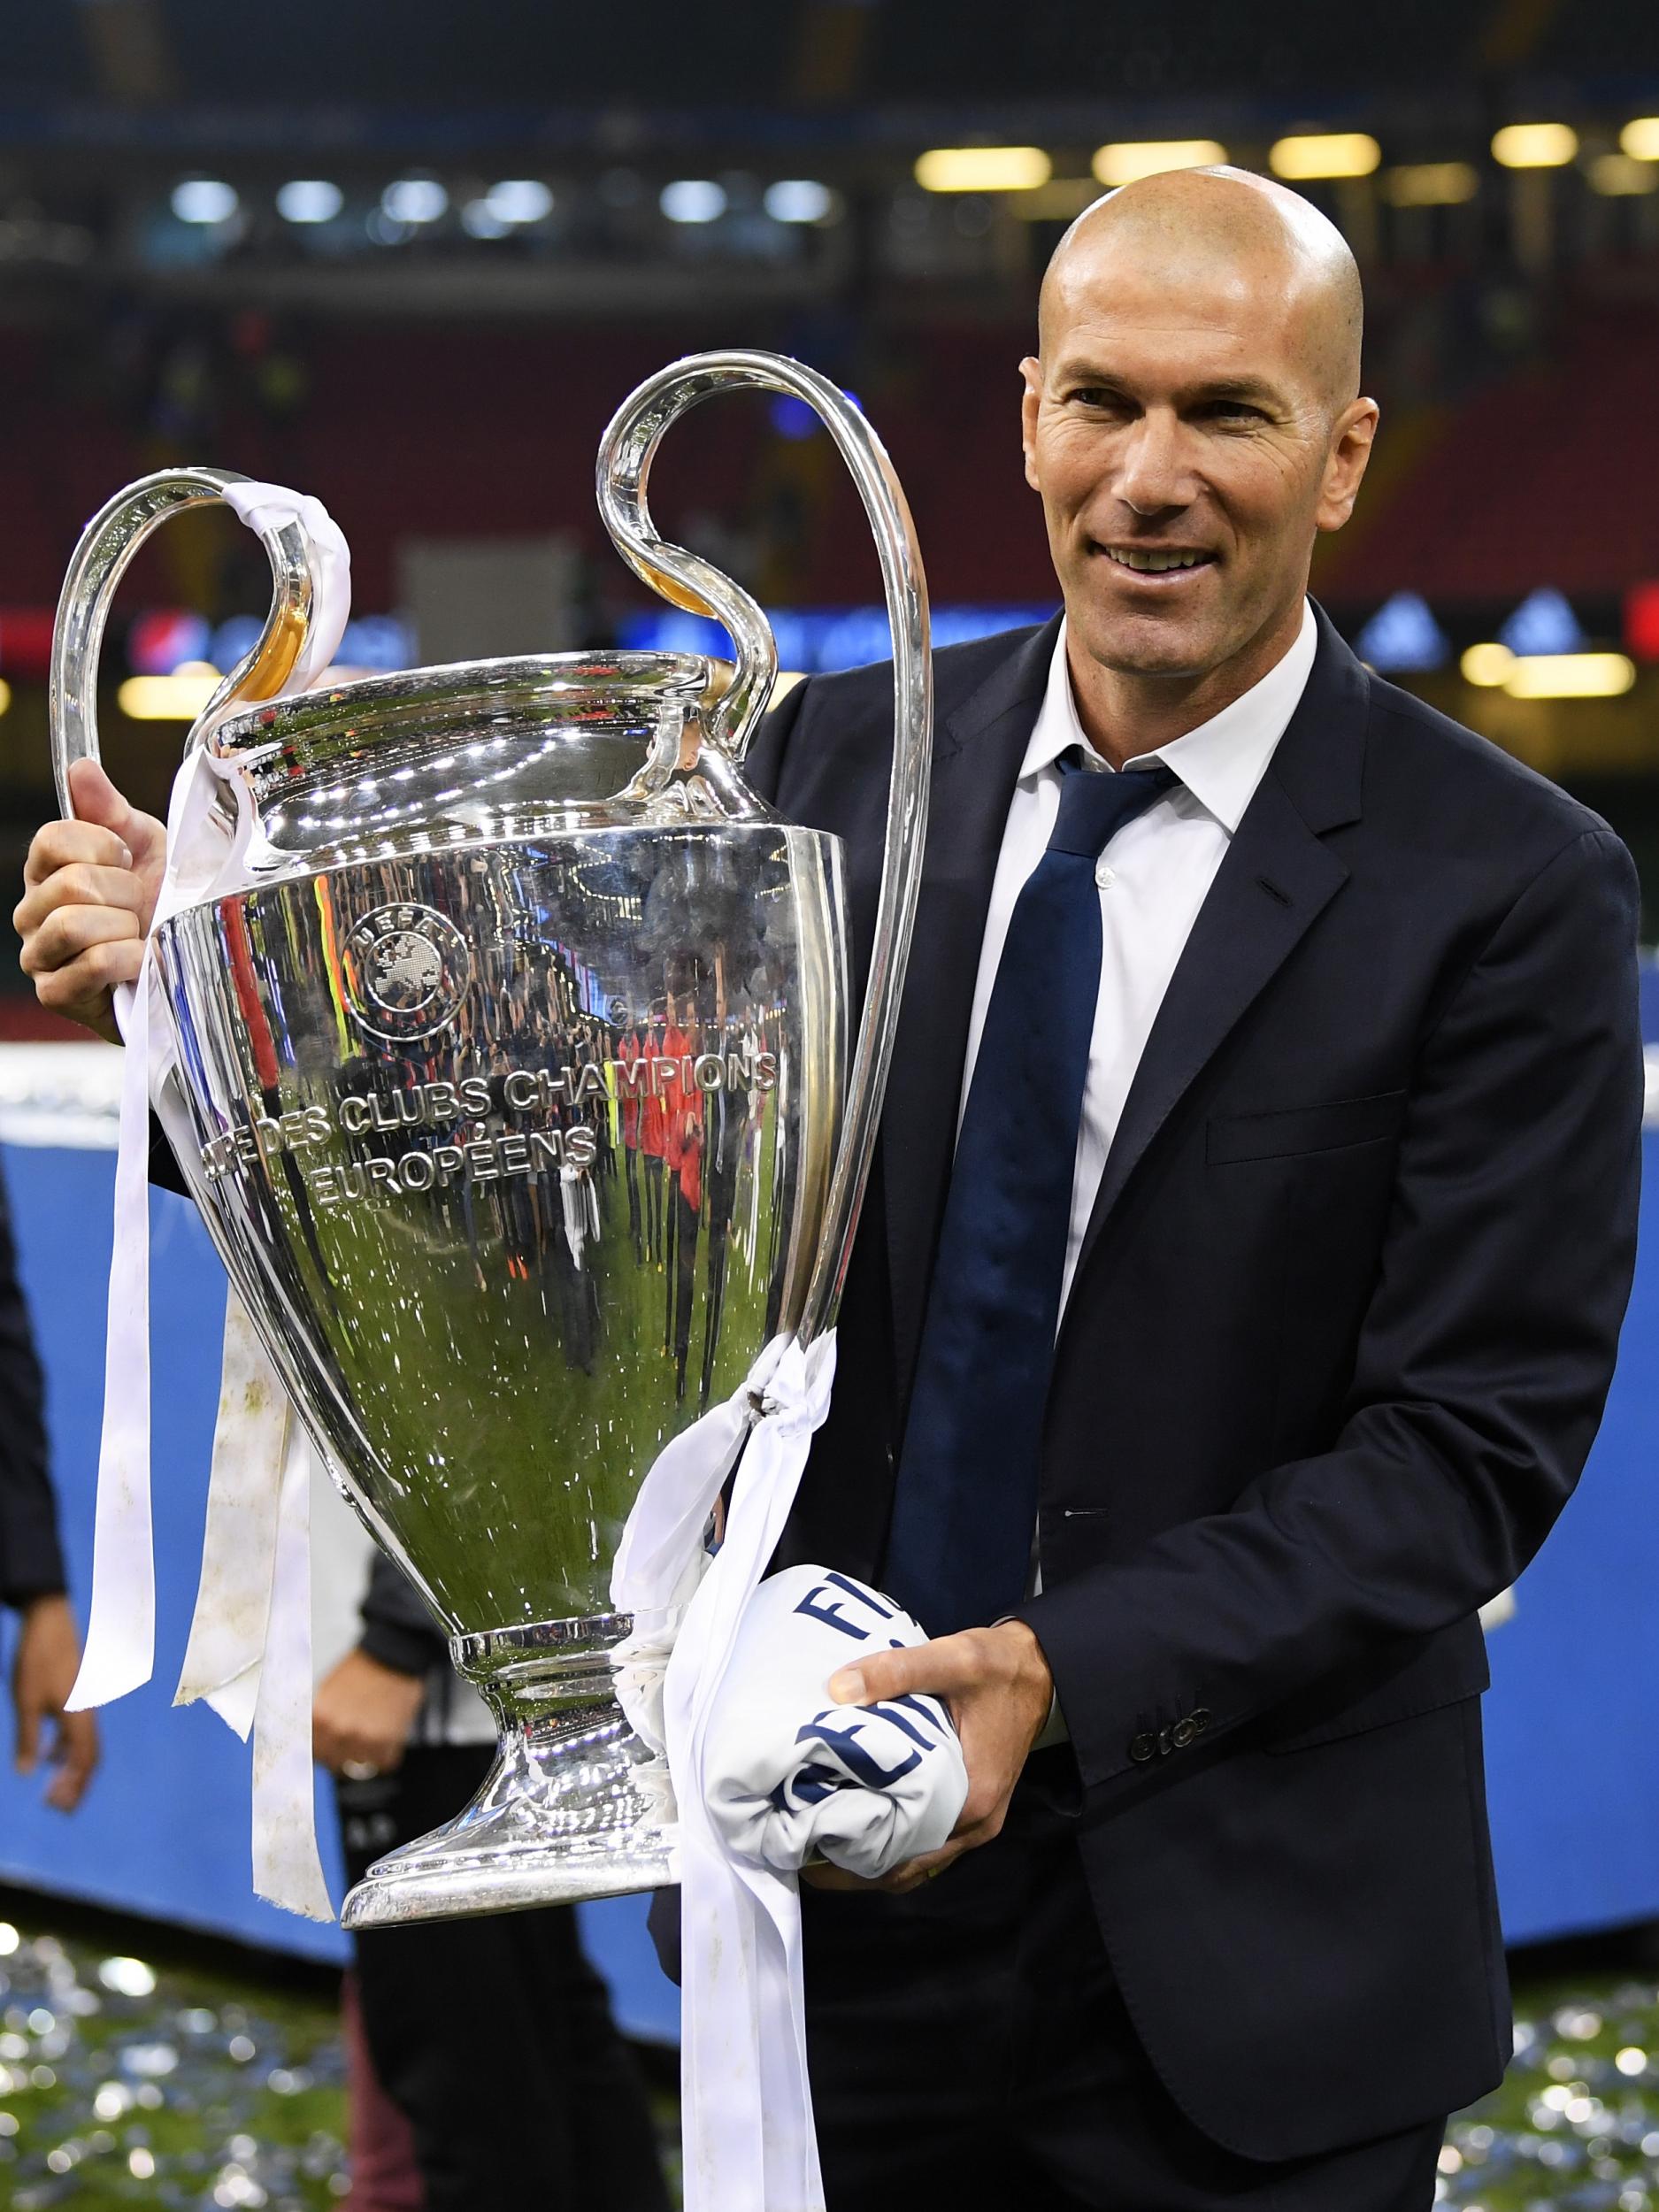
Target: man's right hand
{"x": 362, "y": 1715}
{"x": 90, "y": 891}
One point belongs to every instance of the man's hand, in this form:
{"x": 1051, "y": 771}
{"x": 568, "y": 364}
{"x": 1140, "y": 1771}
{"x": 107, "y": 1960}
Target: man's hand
{"x": 42, "y": 1675}
{"x": 997, "y": 1685}
{"x": 90, "y": 891}
{"x": 362, "y": 1715}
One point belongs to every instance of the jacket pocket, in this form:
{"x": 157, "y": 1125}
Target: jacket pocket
{"x": 1295, "y": 1129}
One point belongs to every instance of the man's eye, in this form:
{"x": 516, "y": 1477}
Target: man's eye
{"x": 1233, "y": 410}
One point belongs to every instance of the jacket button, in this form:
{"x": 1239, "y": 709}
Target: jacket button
{"x": 1166, "y": 1743}
{"x": 1182, "y": 1734}
{"x": 1142, "y": 1748}
{"x": 1200, "y": 1719}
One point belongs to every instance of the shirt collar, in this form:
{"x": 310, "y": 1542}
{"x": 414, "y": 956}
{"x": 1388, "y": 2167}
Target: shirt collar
{"x": 1223, "y": 760}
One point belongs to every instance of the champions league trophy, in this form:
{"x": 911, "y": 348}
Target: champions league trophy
{"x": 519, "y": 1107}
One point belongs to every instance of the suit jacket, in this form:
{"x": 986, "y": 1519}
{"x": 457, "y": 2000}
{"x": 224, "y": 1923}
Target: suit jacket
{"x": 31, "y": 1564}
{"x": 1337, "y": 1347}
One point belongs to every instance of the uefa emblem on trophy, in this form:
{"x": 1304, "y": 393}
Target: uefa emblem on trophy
{"x": 521, "y": 1103}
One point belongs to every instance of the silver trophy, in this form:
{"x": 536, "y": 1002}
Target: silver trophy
{"x": 519, "y": 1103}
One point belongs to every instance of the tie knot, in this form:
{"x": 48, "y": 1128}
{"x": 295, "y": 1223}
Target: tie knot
{"x": 1093, "y": 807}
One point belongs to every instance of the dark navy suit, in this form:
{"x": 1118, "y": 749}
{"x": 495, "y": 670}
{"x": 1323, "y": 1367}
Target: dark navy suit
{"x": 1336, "y": 1351}
{"x": 31, "y": 1564}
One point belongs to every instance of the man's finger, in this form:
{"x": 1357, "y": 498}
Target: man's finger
{"x": 822, "y": 1875}
{"x": 917, "y": 1873}
{"x": 944, "y": 1666}
{"x": 63, "y": 937}
{"x": 72, "y": 989}
{"x": 74, "y": 844}
{"x": 82, "y": 883}
{"x": 28, "y": 1734}
{"x": 75, "y": 1754}
{"x": 95, "y": 799}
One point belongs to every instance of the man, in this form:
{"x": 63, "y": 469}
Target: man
{"x": 1258, "y": 1327}
{"x": 1337, "y": 1253}
{"x": 46, "y": 1656}
{"x": 549, "y": 2107}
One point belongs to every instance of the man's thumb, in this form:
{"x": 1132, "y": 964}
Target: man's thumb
{"x": 95, "y": 799}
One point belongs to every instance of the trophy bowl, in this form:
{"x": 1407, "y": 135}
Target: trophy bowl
{"x": 513, "y": 1084}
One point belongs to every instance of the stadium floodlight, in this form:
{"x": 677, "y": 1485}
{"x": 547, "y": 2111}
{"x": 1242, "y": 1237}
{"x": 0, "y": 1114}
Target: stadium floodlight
{"x": 1534, "y": 145}
{"x": 1130, "y": 160}
{"x": 1640, "y": 139}
{"x": 308, "y": 200}
{"x": 479, "y": 219}
{"x": 414, "y": 200}
{"x": 1623, "y": 176}
{"x": 1570, "y": 676}
{"x": 693, "y": 200}
{"x": 1544, "y": 623}
{"x": 1307, "y": 155}
{"x": 205, "y": 200}
{"x": 1487, "y": 665}
{"x": 799, "y": 200}
{"x": 179, "y": 697}
{"x": 983, "y": 169}
{"x": 518, "y": 200}
{"x": 1431, "y": 184}
{"x": 1402, "y": 638}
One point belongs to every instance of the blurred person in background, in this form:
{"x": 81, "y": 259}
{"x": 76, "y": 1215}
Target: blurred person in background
{"x": 484, "y": 2067}
{"x": 32, "y": 1581}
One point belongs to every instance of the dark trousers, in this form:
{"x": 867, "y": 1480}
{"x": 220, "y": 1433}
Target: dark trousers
{"x": 495, "y": 2035}
{"x": 968, "y": 2048}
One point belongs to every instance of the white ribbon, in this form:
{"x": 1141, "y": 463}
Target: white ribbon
{"x": 257, "y": 1602}
{"x": 746, "y": 2102}
{"x": 239, "y": 1547}
{"x": 287, "y": 1866}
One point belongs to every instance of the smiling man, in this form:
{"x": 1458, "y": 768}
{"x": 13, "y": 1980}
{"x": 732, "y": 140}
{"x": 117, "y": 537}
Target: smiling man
{"x": 1234, "y": 1304}
{"x": 1192, "y": 420}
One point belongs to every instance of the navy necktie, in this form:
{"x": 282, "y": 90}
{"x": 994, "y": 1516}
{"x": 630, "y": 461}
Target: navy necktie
{"x": 965, "y": 1505}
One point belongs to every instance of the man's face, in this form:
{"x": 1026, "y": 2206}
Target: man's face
{"x": 1186, "y": 453}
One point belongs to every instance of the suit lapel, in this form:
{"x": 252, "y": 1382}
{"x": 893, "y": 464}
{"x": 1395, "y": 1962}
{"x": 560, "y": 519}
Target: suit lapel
{"x": 1275, "y": 880}
{"x": 978, "y": 753}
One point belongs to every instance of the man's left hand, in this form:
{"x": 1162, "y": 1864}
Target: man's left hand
{"x": 997, "y": 1685}
{"x": 42, "y": 1675}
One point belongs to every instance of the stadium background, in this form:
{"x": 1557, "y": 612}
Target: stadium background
{"x": 412, "y": 262}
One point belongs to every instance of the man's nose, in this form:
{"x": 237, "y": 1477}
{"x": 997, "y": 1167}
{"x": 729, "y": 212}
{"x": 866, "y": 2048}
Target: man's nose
{"x": 1152, "y": 472}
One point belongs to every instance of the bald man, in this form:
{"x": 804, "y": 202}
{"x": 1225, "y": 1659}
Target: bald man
{"x": 1234, "y": 1305}
{"x": 1235, "y": 1300}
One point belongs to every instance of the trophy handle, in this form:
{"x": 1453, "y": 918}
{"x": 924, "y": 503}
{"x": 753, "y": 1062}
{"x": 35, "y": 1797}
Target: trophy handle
{"x": 106, "y": 548}
{"x": 625, "y": 453}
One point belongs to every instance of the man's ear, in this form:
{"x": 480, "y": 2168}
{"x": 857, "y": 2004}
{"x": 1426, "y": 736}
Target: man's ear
{"x": 1351, "y": 438}
{"x": 1031, "y": 400}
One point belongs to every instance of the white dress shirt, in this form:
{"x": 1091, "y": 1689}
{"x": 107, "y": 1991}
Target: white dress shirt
{"x": 1153, "y": 876}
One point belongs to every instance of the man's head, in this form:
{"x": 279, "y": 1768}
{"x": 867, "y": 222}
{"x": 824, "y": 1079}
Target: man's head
{"x": 1196, "y": 398}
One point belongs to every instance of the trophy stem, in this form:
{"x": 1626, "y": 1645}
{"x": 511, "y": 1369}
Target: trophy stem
{"x": 576, "y": 1805}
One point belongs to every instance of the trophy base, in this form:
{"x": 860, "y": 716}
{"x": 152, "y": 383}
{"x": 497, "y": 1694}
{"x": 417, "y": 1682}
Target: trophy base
{"x": 577, "y": 1804}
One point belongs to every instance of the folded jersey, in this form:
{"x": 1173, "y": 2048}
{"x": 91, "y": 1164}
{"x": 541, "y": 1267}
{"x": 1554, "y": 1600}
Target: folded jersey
{"x": 791, "y": 1775}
